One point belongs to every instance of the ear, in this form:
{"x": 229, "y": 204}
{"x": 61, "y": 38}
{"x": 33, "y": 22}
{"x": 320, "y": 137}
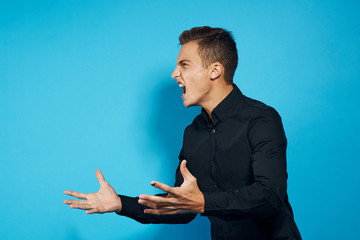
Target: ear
{"x": 216, "y": 70}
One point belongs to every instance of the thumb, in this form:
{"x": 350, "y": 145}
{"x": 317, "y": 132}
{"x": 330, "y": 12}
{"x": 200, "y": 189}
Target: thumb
{"x": 185, "y": 171}
{"x": 100, "y": 177}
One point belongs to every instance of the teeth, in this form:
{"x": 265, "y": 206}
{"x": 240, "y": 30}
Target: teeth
{"x": 181, "y": 85}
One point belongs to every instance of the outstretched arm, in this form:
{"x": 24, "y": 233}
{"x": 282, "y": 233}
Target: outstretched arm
{"x": 105, "y": 200}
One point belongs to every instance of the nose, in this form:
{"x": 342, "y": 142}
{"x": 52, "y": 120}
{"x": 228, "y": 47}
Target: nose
{"x": 175, "y": 73}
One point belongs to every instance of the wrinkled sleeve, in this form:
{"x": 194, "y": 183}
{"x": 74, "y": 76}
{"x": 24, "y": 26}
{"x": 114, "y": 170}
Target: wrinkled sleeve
{"x": 265, "y": 196}
{"x": 132, "y": 209}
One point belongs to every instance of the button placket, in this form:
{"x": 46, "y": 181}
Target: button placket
{"x": 212, "y": 158}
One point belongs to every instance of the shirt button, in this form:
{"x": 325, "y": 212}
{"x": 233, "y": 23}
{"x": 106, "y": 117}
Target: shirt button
{"x": 213, "y": 131}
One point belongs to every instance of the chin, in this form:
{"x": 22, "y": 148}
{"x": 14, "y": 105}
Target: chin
{"x": 190, "y": 104}
{"x": 186, "y": 105}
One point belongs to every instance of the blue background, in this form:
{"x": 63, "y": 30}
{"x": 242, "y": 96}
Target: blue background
{"x": 86, "y": 85}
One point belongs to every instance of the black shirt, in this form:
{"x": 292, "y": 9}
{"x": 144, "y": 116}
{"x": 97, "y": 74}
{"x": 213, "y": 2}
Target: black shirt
{"x": 239, "y": 161}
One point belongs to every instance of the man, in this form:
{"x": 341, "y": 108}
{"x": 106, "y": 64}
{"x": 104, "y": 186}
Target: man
{"x": 235, "y": 151}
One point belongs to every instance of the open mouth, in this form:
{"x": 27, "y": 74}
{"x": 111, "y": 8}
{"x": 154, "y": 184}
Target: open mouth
{"x": 183, "y": 88}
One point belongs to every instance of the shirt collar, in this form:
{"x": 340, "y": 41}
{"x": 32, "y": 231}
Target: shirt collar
{"x": 223, "y": 109}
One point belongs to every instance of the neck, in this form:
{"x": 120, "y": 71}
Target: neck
{"x": 218, "y": 94}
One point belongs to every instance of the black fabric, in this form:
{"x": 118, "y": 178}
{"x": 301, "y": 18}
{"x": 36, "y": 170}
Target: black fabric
{"x": 239, "y": 160}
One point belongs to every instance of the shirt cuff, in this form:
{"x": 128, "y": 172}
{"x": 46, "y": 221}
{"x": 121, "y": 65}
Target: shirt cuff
{"x": 129, "y": 206}
{"x": 214, "y": 201}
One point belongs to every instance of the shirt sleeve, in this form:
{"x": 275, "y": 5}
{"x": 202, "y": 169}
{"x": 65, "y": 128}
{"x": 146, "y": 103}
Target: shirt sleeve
{"x": 266, "y": 195}
{"x": 132, "y": 209}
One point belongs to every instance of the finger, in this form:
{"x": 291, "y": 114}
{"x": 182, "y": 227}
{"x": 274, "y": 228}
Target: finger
{"x": 73, "y": 201}
{"x": 163, "y": 187}
{"x": 100, "y": 177}
{"x": 76, "y": 194}
{"x": 159, "y": 211}
{"x": 164, "y": 211}
{"x": 83, "y": 206}
{"x": 157, "y": 199}
{"x": 148, "y": 203}
{"x": 157, "y": 205}
{"x": 91, "y": 211}
{"x": 185, "y": 171}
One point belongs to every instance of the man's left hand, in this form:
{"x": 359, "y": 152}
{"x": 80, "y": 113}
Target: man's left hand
{"x": 184, "y": 199}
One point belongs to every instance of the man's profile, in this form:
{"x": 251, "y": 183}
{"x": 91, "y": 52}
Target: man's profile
{"x": 232, "y": 165}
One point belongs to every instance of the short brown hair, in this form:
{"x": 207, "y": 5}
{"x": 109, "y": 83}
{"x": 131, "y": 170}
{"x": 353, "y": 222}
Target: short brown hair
{"x": 215, "y": 45}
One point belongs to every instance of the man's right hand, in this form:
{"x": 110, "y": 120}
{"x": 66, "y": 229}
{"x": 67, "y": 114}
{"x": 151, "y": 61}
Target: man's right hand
{"x": 105, "y": 200}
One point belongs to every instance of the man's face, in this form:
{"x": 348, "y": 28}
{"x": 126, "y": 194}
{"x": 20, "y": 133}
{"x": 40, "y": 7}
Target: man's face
{"x": 192, "y": 76}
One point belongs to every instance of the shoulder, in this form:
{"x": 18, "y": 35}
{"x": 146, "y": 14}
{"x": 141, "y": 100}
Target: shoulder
{"x": 258, "y": 110}
{"x": 263, "y": 120}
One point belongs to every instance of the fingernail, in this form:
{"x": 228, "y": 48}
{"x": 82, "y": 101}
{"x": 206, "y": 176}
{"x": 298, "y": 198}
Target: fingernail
{"x": 153, "y": 184}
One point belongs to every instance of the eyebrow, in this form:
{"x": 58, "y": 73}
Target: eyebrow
{"x": 182, "y": 61}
